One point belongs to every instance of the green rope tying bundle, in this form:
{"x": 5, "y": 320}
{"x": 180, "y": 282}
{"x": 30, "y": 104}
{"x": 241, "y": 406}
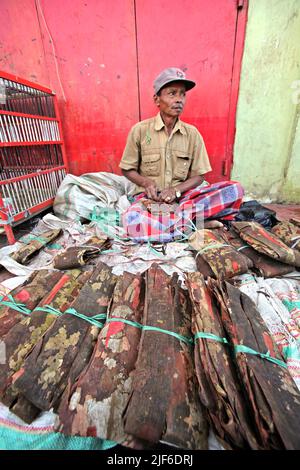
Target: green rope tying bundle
{"x": 11, "y": 303}
{"x": 29, "y": 238}
{"x": 241, "y": 348}
{"x": 185, "y": 339}
{"x": 203, "y": 335}
{"x": 93, "y": 320}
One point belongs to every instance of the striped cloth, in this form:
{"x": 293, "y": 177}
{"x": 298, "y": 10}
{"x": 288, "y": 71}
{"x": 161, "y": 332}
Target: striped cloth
{"x": 219, "y": 200}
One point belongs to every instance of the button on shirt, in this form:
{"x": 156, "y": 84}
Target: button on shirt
{"x": 167, "y": 160}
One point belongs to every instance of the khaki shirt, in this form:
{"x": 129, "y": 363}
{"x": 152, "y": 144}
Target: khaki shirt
{"x": 167, "y": 160}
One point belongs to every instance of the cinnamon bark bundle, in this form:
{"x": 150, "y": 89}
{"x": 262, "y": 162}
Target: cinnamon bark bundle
{"x": 219, "y": 388}
{"x": 94, "y": 405}
{"x": 67, "y": 346}
{"x": 266, "y": 242}
{"x": 25, "y": 298}
{"x": 163, "y": 403}
{"x": 262, "y": 265}
{"x": 288, "y": 233}
{"x": 24, "y": 336}
{"x": 215, "y": 258}
{"x": 273, "y": 395}
{"x": 77, "y": 256}
{"x": 24, "y": 254}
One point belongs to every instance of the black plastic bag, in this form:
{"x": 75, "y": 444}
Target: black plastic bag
{"x": 254, "y": 211}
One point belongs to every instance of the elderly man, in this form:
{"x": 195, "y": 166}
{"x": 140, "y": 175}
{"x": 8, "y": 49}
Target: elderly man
{"x": 166, "y": 159}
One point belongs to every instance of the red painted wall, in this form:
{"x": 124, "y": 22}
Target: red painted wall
{"x": 101, "y": 56}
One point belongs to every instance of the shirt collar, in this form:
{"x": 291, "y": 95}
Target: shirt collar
{"x": 159, "y": 124}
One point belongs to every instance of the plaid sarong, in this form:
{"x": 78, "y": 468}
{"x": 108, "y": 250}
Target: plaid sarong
{"x": 219, "y": 200}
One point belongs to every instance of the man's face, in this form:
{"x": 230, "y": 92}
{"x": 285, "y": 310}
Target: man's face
{"x": 171, "y": 100}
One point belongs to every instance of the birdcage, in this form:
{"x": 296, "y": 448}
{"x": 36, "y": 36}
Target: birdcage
{"x": 32, "y": 154}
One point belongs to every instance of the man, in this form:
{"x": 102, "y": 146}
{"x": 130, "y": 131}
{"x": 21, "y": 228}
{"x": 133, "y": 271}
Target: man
{"x": 164, "y": 156}
{"x": 166, "y": 159}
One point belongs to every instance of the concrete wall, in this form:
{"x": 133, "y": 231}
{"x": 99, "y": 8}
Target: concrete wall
{"x": 267, "y": 144}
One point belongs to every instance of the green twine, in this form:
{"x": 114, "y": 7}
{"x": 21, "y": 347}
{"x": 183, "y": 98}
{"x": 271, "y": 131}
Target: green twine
{"x": 28, "y": 238}
{"x": 49, "y": 309}
{"x": 11, "y": 303}
{"x": 72, "y": 311}
{"x": 240, "y": 348}
{"x": 202, "y": 334}
{"x": 92, "y": 320}
{"x": 291, "y": 304}
{"x": 185, "y": 339}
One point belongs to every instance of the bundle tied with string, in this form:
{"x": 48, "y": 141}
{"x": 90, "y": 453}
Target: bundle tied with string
{"x": 263, "y": 265}
{"x": 266, "y": 242}
{"x": 34, "y": 244}
{"x": 21, "y": 340}
{"x": 96, "y": 401}
{"x": 68, "y": 345}
{"x": 76, "y": 256}
{"x": 274, "y": 400}
{"x": 215, "y": 258}
{"x": 24, "y": 298}
{"x": 218, "y": 385}
{"x": 289, "y": 233}
{"x": 163, "y": 404}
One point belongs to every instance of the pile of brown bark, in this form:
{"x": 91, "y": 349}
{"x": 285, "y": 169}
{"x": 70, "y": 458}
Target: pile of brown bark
{"x": 141, "y": 359}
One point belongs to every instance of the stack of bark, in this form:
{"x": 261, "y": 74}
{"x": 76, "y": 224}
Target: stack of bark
{"x": 140, "y": 359}
{"x": 223, "y": 254}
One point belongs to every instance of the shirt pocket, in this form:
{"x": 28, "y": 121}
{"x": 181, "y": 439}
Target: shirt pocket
{"x": 150, "y": 165}
{"x": 181, "y": 166}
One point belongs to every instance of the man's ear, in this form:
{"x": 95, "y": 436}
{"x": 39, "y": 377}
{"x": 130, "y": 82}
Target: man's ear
{"x": 156, "y": 100}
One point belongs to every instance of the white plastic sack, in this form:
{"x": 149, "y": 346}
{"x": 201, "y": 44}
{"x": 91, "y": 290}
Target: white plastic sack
{"x": 77, "y": 196}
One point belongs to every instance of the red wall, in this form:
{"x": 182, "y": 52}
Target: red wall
{"x": 101, "y": 56}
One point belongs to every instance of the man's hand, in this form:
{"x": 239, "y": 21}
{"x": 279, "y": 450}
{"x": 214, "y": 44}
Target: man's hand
{"x": 151, "y": 189}
{"x": 168, "y": 195}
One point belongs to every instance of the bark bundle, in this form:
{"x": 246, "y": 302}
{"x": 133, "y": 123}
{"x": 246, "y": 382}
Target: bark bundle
{"x": 266, "y": 242}
{"x": 263, "y": 265}
{"x": 215, "y": 258}
{"x": 288, "y": 233}
{"x": 24, "y": 254}
{"x": 21, "y": 340}
{"x": 163, "y": 403}
{"x": 273, "y": 396}
{"x": 218, "y": 383}
{"x": 77, "y": 256}
{"x": 27, "y": 296}
{"x": 95, "y": 404}
{"x": 67, "y": 346}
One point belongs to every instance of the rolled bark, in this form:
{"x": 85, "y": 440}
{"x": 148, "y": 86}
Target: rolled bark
{"x": 24, "y": 254}
{"x": 273, "y": 395}
{"x": 263, "y": 265}
{"x": 218, "y": 383}
{"x": 163, "y": 403}
{"x": 24, "y": 336}
{"x": 288, "y": 233}
{"x": 95, "y": 404}
{"x": 266, "y": 242}
{"x": 29, "y": 294}
{"x": 67, "y": 346}
{"x": 215, "y": 258}
{"x": 77, "y": 256}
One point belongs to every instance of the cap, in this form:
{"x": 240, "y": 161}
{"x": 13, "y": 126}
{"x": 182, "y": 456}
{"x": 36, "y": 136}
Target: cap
{"x": 172, "y": 74}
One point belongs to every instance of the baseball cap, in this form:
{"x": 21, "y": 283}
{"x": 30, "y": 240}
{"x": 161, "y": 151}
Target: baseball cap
{"x": 172, "y": 74}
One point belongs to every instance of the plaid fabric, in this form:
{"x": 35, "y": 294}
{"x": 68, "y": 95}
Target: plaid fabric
{"x": 219, "y": 200}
